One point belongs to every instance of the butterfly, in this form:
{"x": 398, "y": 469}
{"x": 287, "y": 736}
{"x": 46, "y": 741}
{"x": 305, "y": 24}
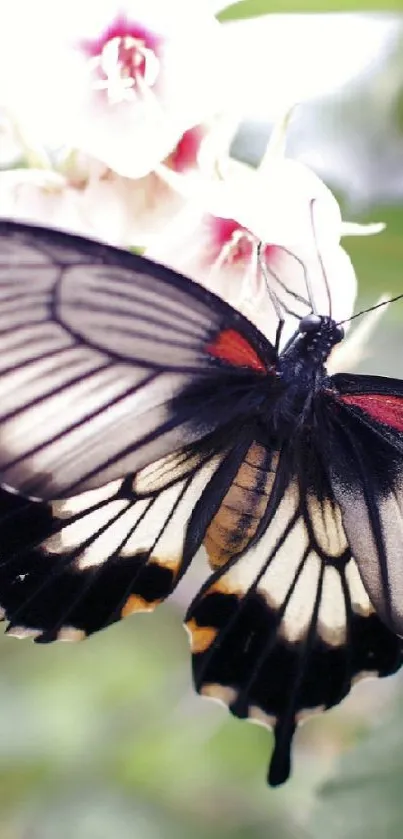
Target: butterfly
{"x": 142, "y": 418}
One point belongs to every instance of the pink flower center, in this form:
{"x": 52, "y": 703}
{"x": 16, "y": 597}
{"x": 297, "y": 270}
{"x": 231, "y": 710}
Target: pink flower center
{"x": 228, "y": 236}
{"x": 124, "y": 60}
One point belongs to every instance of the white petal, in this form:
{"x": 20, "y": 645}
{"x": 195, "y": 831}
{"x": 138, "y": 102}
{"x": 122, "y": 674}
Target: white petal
{"x": 11, "y": 149}
{"x": 352, "y": 228}
{"x": 271, "y": 206}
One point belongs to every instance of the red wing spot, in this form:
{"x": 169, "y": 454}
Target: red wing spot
{"x": 231, "y": 346}
{"x": 381, "y": 407}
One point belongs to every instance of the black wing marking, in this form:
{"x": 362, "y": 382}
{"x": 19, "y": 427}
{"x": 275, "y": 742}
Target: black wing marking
{"x": 71, "y": 567}
{"x": 98, "y": 349}
{"x": 286, "y": 628}
{"x": 366, "y": 464}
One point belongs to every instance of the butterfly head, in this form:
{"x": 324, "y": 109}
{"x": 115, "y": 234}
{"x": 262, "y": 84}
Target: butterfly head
{"x": 320, "y": 325}
{"x": 319, "y": 333}
{"x": 316, "y": 336}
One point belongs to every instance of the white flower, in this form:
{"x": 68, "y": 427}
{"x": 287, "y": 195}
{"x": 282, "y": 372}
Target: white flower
{"x": 299, "y": 222}
{"x": 119, "y": 81}
{"x": 285, "y": 206}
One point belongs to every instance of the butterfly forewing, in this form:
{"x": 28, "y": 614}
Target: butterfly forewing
{"x": 98, "y": 349}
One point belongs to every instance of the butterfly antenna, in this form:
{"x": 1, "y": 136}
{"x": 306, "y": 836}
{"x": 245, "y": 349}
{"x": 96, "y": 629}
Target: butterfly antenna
{"x": 371, "y": 309}
{"x": 266, "y": 270}
{"x": 273, "y": 296}
{"x": 279, "y": 306}
{"x": 294, "y": 294}
{"x": 282, "y": 285}
{"x": 320, "y": 260}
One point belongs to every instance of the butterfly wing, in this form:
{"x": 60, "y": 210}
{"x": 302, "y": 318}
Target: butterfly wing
{"x": 109, "y": 362}
{"x": 71, "y": 567}
{"x": 367, "y": 477}
{"x": 285, "y": 626}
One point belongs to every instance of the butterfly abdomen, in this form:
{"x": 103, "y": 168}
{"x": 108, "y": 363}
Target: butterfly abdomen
{"x": 237, "y": 520}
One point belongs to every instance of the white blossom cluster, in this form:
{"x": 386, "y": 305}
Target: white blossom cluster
{"x": 113, "y": 124}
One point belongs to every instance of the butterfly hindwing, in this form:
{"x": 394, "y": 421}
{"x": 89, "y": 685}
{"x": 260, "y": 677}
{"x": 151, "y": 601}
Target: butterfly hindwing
{"x": 108, "y": 362}
{"x": 367, "y": 478}
{"x": 286, "y": 627}
{"x": 71, "y": 567}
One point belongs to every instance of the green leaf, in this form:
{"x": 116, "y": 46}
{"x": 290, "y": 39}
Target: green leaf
{"x": 255, "y": 8}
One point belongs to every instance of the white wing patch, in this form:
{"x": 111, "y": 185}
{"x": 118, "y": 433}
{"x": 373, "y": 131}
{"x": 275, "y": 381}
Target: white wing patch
{"x": 124, "y": 527}
{"x": 332, "y": 614}
{"x": 375, "y": 531}
{"x": 360, "y": 601}
{"x": 63, "y": 414}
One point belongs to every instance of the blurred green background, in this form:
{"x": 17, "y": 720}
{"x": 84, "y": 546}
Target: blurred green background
{"x": 106, "y": 739}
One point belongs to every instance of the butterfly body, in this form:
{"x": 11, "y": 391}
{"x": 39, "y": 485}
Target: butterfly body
{"x": 301, "y": 374}
{"x": 302, "y": 364}
{"x": 142, "y": 418}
